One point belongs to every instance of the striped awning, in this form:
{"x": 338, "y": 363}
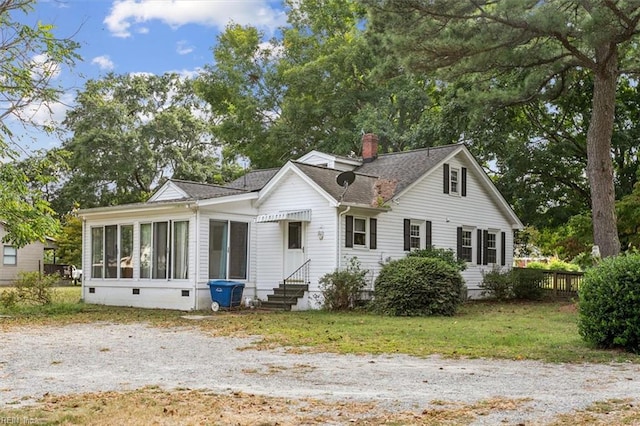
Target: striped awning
{"x": 291, "y": 215}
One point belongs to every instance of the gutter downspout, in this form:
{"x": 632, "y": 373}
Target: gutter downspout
{"x": 339, "y": 263}
{"x": 85, "y": 238}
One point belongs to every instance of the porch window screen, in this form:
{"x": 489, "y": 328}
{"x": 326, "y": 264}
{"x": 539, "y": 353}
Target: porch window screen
{"x": 180, "y": 250}
{"x": 232, "y": 238}
{"x": 97, "y": 247}
{"x": 145, "y": 250}
{"x": 217, "y": 249}
{"x": 126, "y": 251}
{"x": 238, "y": 250}
{"x": 160, "y": 250}
{"x": 111, "y": 251}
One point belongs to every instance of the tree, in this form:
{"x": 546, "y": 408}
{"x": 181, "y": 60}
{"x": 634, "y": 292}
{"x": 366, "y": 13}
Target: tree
{"x": 531, "y": 46}
{"x": 69, "y": 240}
{"x": 314, "y": 88}
{"x": 131, "y": 133}
{"x": 30, "y": 59}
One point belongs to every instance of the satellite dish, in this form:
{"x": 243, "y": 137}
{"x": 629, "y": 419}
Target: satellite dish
{"x": 345, "y": 179}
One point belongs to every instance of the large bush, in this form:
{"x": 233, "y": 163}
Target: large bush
{"x": 609, "y": 304}
{"x": 341, "y": 289}
{"x": 30, "y": 288}
{"x": 521, "y": 284}
{"x": 416, "y": 286}
{"x": 446, "y": 255}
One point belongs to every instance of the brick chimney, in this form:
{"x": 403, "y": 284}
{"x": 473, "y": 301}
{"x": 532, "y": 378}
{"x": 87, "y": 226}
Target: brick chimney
{"x": 369, "y": 147}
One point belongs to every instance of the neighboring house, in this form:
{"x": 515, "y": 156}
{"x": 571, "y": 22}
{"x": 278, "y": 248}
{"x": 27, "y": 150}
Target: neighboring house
{"x": 263, "y": 227}
{"x": 29, "y": 258}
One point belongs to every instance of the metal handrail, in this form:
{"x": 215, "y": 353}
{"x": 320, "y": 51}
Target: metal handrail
{"x": 299, "y": 275}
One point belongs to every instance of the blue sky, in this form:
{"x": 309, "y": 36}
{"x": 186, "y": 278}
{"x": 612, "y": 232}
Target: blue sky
{"x": 142, "y": 36}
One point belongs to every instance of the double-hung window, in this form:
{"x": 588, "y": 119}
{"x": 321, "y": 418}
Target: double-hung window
{"x": 453, "y": 179}
{"x": 414, "y": 236}
{"x": 9, "y": 256}
{"x": 359, "y": 231}
{"x": 492, "y": 248}
{"x": 465, "y": 244}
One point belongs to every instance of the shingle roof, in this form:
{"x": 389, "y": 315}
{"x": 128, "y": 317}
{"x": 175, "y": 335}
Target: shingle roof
{"x": 199, "y": 191}
{"x": 361, "y": 191}
{"x": 254, "y": 180}
{"x": 406, "y": 167}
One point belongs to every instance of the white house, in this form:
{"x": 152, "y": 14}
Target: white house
{"x": 293, "y": 225}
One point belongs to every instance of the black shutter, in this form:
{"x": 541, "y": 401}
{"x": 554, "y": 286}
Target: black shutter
{"x": 427, "y": 234}
{"x": 373, "y": 233}
{"x": 459, "y": 246}
{"x": 464, "y": 181}
{"x": 348, "y": 231}
{"x": 485, "y": 247}
{"x": 445, "y": 181}
{"x": 407, "y": 234}
{"x": 503, "y": 248}
{"x": 479, "y": 247}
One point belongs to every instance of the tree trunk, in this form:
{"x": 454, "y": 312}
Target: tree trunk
{"x": 599, "y": 161}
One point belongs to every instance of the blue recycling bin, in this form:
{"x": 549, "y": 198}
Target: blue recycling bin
{"x": 225, "y": 294}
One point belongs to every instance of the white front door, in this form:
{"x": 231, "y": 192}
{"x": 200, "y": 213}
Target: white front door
{"x": 294, "y": 242}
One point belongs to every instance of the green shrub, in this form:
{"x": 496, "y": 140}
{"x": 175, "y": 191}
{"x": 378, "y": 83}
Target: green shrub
{"x": 341, "y": 289}
{"x": 416, "y": 286}
{"x": 30, "y": 288}
{"x": 497, "y": 284}
{"x": 446, "y": 255}
{"x": 527, "y": 284}
{"x": 609, "y": 303}
{"x": 560, "y": 265}
{"x": 537, "y": 265}
{"x": 521, "y": 284}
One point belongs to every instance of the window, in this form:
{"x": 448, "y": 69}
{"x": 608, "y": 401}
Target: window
{"x": 356, "y": 229}
{"x": 97, "y": 247}
{"x": 164, "y": 250}
{"x": 414, "y": 239}
{"x": 453, "y": 177}
{"x": 9, "y": 256}
{"x": 465, "y": 245}
{"x": 111, "y": 250}
{"x": 180, "y": 247}
{"x": 454, "y": 180}
{"x": 491, "y": 248}
{"x": 295, "y": 235}
{"x": 126, "y": 251}
{"x": 228, "y": 243}
{"x": 359, "y": 231}
{"x": 145, "y": 250}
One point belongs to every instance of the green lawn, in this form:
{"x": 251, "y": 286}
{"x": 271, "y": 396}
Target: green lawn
{"x": 540, "y": 331}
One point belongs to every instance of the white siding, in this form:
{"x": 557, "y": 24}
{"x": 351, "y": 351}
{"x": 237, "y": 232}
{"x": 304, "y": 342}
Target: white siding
{"x": 168, "y": 192}
{"x": 294, "y": 193}
{"x": 206, "y": 215}
{"x": 154, "y": 293}
{"x": 427, "y": 202}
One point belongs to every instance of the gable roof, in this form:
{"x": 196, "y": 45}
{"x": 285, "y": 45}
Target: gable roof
{"x": 197, "y": 191}
{"x": 407, "y": 167}
{"x": 361, "y": 191}
{"x": 254, "y": 180}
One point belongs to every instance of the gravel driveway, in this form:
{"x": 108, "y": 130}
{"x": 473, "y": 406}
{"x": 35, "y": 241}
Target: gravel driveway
{"x": 101, "y": 357}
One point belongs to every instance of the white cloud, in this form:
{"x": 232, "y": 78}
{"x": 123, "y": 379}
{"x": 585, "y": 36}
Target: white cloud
{"x": 127, "y": 13}
{"x": 46, "y": 113}
{"x": 44, "y": 68}
{"x": 184, "y": 48}
{"x": 104, "y": 62}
